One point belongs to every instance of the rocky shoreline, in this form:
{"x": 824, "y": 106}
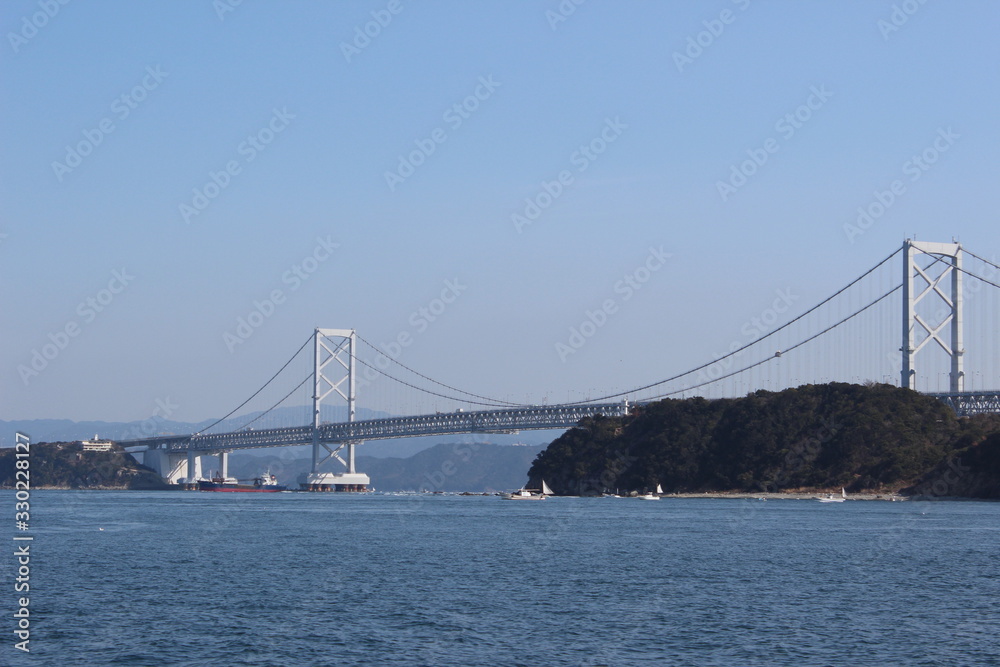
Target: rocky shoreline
{"x": 787, "y": 496}
{"x": 739, "y": 495}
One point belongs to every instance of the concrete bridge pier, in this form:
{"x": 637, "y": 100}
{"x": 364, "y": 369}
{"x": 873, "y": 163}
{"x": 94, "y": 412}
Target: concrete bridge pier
{"x": 224, "y": 465}
{"x": 171, "y": 466}
{"x": 193, "y": 471}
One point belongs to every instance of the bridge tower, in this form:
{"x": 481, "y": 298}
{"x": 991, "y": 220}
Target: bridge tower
{"x": 950, "y": 256}
{"x": 334, "y": 353}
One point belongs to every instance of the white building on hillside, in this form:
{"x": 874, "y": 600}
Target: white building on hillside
{"x": 97, "y": 445}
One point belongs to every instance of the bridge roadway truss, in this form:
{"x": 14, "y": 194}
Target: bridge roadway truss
{"x": 971, "y": 402}
{"x": 508, "y": 420}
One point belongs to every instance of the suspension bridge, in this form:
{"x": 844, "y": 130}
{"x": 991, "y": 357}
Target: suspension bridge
{"x": 944, "y": 297}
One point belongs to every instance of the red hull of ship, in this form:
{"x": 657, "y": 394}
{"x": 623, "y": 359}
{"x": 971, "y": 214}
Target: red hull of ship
{"x": 239, "y": 488}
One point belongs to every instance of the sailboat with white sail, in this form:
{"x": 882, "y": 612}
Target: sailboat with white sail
{"x": 527, "y": 494}
{"x": 652, "y": 496}
{"x": 830, "y": 498}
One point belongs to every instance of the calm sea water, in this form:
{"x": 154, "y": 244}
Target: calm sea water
{"x": 188, "y": 578}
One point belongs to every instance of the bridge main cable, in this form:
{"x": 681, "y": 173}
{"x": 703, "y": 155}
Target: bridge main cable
{"x": 492, "y": 401}
{"x": 264, "y": 386}
{"x": 973, "y": 275}
{"x": 751, "y": 343}
{"x": 283, "y": 399}
{"x": 797, "y": 345}
{"x": 981, "y": 259}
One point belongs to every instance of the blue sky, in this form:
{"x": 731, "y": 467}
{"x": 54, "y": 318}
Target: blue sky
{"x": 201, "y": 85}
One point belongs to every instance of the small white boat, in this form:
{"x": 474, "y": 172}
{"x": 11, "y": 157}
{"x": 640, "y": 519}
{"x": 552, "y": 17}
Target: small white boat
{"x": 830, "y": 498}
{"x": 652, "y": 496}
{"x": 526, "y": 494}
{"x": 522, "y": 494}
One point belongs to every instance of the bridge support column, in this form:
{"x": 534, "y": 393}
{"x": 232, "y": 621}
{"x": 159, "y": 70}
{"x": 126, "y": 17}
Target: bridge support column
{"x": 193, "y": 472}
{"x": 329, "y": 346}
{"x": 171, "y": 466}
{"x": 224, "y": 465}
{"x": 958, "y": 350}
{"x": 951, "y": 253}
{"x": 336, "y": 349}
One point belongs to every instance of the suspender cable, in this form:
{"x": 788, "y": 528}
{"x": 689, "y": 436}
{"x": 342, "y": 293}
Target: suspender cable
{"x": 258, "y": 391}
{"x": 748, "y": 345}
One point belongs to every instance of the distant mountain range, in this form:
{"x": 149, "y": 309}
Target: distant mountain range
{"x": 64, "y": 430}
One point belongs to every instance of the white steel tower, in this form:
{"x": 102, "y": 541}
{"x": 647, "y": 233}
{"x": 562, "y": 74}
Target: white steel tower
{"x": 949, "y": 256}
{"x": 334, "y": 372}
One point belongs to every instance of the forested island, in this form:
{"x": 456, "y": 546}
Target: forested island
{"x": 871, "y": 438}
{"x": 65, "y": 465}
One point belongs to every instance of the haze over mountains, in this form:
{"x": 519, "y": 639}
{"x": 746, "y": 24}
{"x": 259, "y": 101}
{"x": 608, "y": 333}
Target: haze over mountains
{"x": 470, "y": 462}
{"x": 65, "y": 430}
{"x": 61, "y": 430}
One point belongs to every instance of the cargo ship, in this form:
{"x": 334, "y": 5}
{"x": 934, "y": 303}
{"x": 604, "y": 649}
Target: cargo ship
{"x": 266, "y": 483}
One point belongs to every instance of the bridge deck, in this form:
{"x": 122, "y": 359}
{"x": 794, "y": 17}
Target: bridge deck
{"x": 484, "y": 421}
{"x": 971, "y": 402}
